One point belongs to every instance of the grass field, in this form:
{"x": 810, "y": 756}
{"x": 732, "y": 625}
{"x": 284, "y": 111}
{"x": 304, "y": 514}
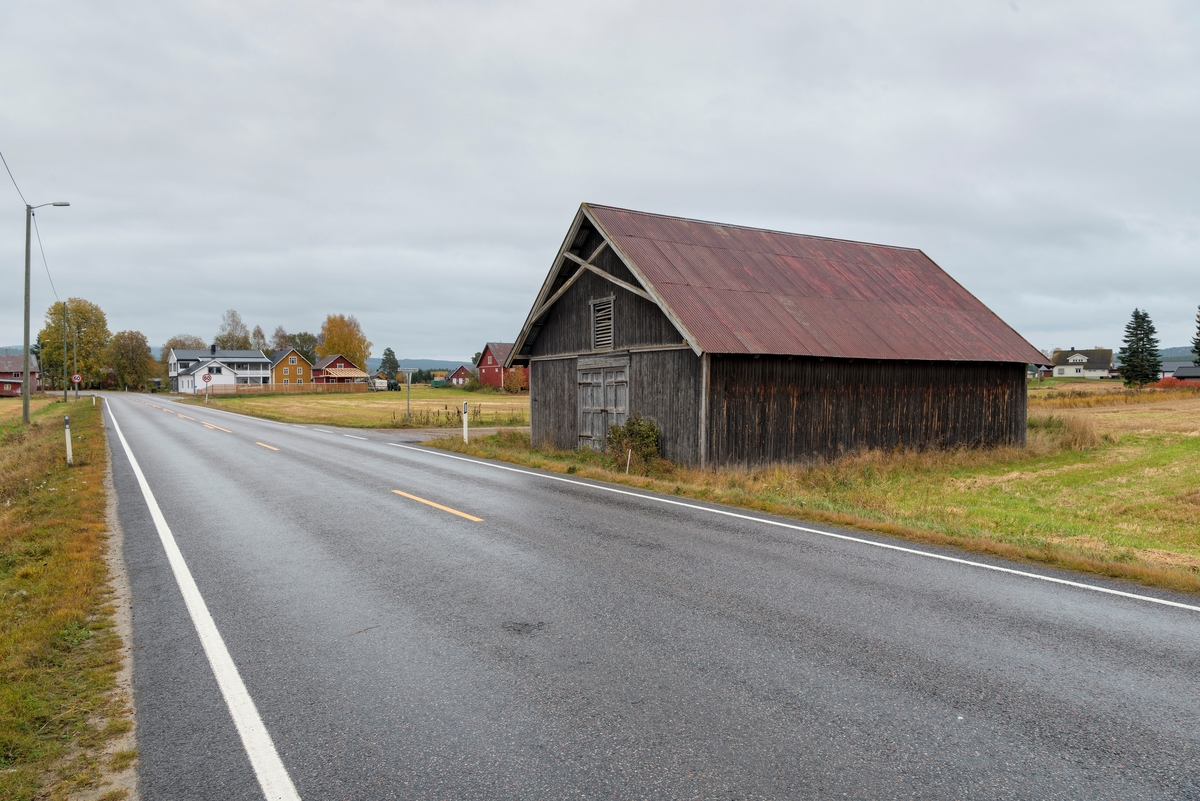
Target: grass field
{"x": 1109, "y": 487}
{"x": 59, "y": 654}
{"x": 431, "y": 408}
{"x": 10, "y": 408}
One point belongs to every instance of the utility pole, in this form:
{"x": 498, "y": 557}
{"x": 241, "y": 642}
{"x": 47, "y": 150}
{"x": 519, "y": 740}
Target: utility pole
{"x": 64, "y": 303}
{"x": 25, "y": 390}
{"x": 25, "y": 363}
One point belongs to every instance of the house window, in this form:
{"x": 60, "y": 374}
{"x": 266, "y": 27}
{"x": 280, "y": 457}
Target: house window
{"x": 489, "y": 359}
{"x": 8, "y": 386}
{"x": 299, "y": 380}
{"x": 291, "y": 360}
{"x": 1062, "y": 371}
{"x": 299, "y": 371}
{"x": 285, "y": 381}
{"x": 1079, "y": 369}
{"x": 341, "y": 365}
{"x": 602, "y": 324}
{"x": 285, "y": 371}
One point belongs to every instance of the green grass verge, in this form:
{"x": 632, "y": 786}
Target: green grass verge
{"x": 59, "y": 654}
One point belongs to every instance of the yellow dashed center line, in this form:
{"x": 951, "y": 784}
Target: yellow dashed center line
{"x": 439, "y": 506}
{"x": 218, "y": 428}
{"x": 185, "y": 417}
{"x": 265, "y": 445}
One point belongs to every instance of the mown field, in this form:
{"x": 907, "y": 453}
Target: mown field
{"x": 59, "y": 655}
{"x": 10, "y": 408}
{"x": 431, "y": 408}
{"x": 1109, "y": 483}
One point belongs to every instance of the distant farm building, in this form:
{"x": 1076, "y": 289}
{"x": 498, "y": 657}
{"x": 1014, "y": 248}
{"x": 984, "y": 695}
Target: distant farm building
{"x": 751, "y": 346}
{"x": 1094, "y": 363}
{"x": 336, "y": 369}
{"x": 492, "y": 365}
{"x": 12, "y": 375}
{"x": 461, "y": 376}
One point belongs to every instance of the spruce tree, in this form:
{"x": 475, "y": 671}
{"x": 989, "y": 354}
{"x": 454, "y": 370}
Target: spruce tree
{"x": 389, "y": 364}
{"x": 1196, "y": 340}
{"x": 1140, "y": 360}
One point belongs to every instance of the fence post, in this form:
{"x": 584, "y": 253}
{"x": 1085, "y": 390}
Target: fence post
{"x": 67, "y": 428}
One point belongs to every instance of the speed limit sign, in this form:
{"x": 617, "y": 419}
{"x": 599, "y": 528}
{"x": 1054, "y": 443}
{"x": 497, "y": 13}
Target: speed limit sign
{"x": 77, "y": 378}
{"x": 206, "y": 377}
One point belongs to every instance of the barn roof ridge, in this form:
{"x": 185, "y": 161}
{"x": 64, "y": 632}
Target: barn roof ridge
{"x": 739, "y": 227}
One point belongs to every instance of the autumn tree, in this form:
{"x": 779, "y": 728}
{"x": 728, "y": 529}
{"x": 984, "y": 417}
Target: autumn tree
{"x": 389, "y": 365}
{"x": 129, "y": 356}
{"x": 343, "y": 335}
{"x": 86, "y": 335}
{"x": 514, "y": 380}
{"x": 280, "y": 339}
{"x": 1140, "y": 360}
{"x": 233, "y": 334}
{"x": 258, "y": 340}
{"x": 305, "y": 344}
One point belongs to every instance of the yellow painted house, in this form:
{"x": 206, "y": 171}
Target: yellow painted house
{"x": 289, "y": 367}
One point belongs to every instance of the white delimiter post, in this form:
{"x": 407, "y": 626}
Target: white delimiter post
{"x": 67, "y": 426}
{"x": 464, "y": 421}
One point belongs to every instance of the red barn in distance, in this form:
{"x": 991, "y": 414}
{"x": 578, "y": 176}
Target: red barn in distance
{"x": 491, "y": 364}
{"x": 460, "y": 376}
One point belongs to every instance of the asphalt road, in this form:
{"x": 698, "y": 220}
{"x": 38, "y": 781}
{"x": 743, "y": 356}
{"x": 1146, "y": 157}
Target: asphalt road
{"x": 580, "y": 643}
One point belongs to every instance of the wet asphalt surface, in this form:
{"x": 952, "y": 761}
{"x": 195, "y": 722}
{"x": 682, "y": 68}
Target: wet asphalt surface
{"x": 583, "y": 644}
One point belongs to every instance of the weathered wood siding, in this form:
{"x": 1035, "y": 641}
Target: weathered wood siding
{"x": 636, "y": 321}
{"x": 553, "y": 399}
{"x": 775, "y": 409}
{"x": 665, "y": 386}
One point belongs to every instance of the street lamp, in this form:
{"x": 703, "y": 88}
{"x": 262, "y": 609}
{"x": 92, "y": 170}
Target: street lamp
{"x": 25, "y": 364}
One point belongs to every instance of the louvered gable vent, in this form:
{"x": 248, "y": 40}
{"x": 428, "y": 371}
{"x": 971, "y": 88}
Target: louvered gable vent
{"x": 602, "y": 321}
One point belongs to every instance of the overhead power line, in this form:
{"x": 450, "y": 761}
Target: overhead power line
{"x": 14, "y": 180}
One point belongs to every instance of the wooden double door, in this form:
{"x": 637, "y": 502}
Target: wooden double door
{"x": 603, "y": 398}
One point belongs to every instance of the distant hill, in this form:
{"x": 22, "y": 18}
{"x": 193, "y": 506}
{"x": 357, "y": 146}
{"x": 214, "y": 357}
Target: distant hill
{"x": 421, "y": 364}
{"x": 1183, "y": 354}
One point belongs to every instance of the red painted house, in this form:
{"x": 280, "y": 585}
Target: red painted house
{"x": 460, "y": 376}
{"x": 336, "y": 369}
{"x": 491, "y": 364}
{"x": 11, "y": 375}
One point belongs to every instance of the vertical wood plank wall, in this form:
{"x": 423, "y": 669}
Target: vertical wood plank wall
{"x": 665, "y": 386}
{"x": 775, "y": 409}
{"x": 553, "y": 399}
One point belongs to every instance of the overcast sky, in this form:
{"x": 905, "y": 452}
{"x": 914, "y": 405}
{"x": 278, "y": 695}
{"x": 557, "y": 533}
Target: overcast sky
{"x": 417, "y": 164}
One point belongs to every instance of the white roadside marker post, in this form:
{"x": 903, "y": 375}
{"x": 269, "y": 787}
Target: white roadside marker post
{"x": 464, "y": 421}
{"x": 67, "y": 427}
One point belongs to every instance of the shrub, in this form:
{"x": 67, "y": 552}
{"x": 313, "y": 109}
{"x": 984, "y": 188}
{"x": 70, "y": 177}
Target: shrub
{"x": 473, "y": 384}
{"x": 514, "y": 380}
{"x": 638, "y": 435}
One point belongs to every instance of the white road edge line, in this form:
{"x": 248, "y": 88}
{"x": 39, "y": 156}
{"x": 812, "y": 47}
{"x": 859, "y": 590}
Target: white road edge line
{"x": 272, "y": 775}
{"x": 845, "y": 537}
{"x": 351, "y": 436}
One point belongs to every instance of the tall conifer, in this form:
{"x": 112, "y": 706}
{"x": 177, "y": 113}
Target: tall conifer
{"x": 1140, "y": 360}
{"x": 1196, "y": 340}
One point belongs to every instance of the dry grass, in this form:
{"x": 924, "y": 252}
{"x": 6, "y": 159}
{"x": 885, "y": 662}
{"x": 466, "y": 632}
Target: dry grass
{"x": 1105, "y": 489}
{"x": 10, "y": 408}
{"x": 1076, "y": 396}
{"x": 431, "y": 408}
{"x": 58, "y": 652}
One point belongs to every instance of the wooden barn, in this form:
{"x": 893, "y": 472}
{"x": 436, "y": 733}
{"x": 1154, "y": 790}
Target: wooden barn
{"x": 749, "y": 346}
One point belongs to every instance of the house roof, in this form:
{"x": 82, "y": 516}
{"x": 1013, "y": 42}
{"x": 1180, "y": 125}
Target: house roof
{"x": 500, "y": 351}
{"x": 1097, "y": 358}
{"x": 206, "y": 353}
{"x": 732, "y": 289}
{"x": 462, "y": 368}
{"x": 343, "y": 372}
{"x": 323, "y": 363}
{"x": 1190, "y": 371}
{"x": 201, "y": 366}
{"x": 277, "y": 356}
{"x": 15, "y": 364}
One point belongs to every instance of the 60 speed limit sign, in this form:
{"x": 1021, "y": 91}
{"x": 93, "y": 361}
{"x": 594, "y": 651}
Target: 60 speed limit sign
{"x": 77, "y": 378}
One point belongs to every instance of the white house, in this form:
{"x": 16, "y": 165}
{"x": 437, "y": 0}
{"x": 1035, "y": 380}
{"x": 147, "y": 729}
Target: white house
{"x": 1094, "y": 363}
{"x": 185, "y": 368}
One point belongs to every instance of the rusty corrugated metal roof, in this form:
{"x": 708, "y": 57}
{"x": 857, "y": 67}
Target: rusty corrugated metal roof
{"x": 753, "y": 291}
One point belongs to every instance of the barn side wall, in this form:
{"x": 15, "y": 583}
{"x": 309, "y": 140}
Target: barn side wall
{"x": 553, "y": 403}
{"x": 775, "y": 409}
{"x": 665, "y": 386}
